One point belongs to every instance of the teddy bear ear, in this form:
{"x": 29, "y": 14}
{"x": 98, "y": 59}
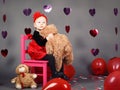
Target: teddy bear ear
{"x": 17, "y": 69}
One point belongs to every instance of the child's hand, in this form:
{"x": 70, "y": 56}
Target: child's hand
{"x": 49, "y": 36}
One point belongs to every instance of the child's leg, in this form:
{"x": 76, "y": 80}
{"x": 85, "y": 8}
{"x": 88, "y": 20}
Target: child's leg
{"x": 61, "y": 73}
{"x": 51, "y": 62}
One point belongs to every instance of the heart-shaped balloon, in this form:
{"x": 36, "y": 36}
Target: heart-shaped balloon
{"x": 92, "y": 11}
{"x": 93, "y": 32}
{"x": 27, "y": 31}
{"x": 67, "y": 28}
{"x": 4, "y": 34}
{"x": 4, "y": 52}
{"x": 112, "y": 81}
{"x": 69, "y": 71}
{"x": 67, "y": 10}
{"x": 47, "y": 8}
{"x": 95, "y": 51}
{"x": 27, "y": 12}
{"x": 57, "y": 84}
{"x": 115, "y": 11}
{"x": 98, "y": 66}
{"x": 4, "y": 18}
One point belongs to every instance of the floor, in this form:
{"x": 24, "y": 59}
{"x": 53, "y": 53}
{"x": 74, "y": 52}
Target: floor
{"x": 80, "y": 82}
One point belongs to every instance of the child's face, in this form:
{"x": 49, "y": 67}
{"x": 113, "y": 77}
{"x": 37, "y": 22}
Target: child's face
{"x": 40, "y": 23}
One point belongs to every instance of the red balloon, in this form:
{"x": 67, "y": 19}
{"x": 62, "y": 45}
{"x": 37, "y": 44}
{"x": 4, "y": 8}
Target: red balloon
{"x": 57, "y": 84}
{"x": 112, "y": 82}
{"x": 69, "y": 71}
{"x": 113, "y": 64}
{"x": 99, "y": 66}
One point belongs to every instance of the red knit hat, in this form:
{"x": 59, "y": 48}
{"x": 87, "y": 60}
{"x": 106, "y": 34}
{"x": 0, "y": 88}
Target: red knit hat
{"x": 37, "y": 15}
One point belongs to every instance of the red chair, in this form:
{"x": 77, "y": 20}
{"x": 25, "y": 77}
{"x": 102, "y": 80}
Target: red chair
{"x": 33, "y": 63}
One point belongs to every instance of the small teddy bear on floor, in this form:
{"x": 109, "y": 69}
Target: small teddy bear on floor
{"x": 24, "y": 79}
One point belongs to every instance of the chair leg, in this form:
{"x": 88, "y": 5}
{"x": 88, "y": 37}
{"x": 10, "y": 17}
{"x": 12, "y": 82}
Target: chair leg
{"x": 44, "y": 74}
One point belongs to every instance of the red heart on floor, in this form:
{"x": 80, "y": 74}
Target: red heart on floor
{"x": 4, "y": 52}
{"x": 67, "y": 28}
{"x": 93, "y": 32}
{"x": 27, "y": 31}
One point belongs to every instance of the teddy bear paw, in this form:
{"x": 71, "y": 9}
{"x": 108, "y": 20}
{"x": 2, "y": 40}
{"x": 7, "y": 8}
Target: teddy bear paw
{"x": 33, "y": 86}
{"x": 12, "y": 81}
{"x": 34, "y": 75}
{"x": 18, "y": 86}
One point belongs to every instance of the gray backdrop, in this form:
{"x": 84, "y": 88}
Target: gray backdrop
{"x": 80, "y": 21}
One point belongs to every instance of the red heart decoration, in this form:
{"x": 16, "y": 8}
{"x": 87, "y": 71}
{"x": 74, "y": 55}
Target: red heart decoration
{"x": 116, "y": 47}
{"x": 95, "y": 51}
{"x": 92, "y": 11}
{"x": 116, "y": 30}
{"x": 27, "y": 31}
{"x": 93, "y": 32}
{"x": 4, "y": 17}
{"x": 4, "y": 34}
{"x": 27, "y": 11}
{"x": 67, "y": 10}
{"x": 4, "y": 52}
{"x": 115, "y": 11}
{"x": 67, "y": 28}
{"x": 4, "y": 1}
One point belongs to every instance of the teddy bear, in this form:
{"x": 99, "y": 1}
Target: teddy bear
{"x": 24, "y": 79}
{"x": 59, "y": 46}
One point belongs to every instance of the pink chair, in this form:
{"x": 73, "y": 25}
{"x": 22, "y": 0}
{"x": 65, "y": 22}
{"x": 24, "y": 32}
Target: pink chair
{"x": 33, "y": 63}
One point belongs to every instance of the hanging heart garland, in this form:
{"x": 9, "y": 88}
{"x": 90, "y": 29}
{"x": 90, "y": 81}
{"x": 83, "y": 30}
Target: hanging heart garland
{"x": 4, "y": 52}
{"x": 95, "y": 51}
{"x": 94, "y": 32}
{"x": 67, "y": 28}
{"x": 116, "y": 30}
{"x": 116, "y": 47}
{"x": 115, "y": 10}
{"x": 27, "y": 11}
{"x": 67, "y": 10}
{"x": 27, "y": 31}
{"x": 3, "y": 1}
{"x": 47, "y": 8}
{"x": 4, "y": 18}
{"x": 92, "y": 11}
{"x": 4, "y": 34}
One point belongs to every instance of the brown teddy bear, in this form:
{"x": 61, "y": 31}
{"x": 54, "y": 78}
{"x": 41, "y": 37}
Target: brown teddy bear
{"x": 24, "y": 78}
{"x": 59, "y": 46}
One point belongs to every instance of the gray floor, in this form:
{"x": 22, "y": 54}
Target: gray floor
{"x": 81, "y": 82}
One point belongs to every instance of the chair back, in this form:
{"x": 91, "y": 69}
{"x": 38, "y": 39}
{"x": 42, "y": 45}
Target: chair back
{"x": 23, "y": 48}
